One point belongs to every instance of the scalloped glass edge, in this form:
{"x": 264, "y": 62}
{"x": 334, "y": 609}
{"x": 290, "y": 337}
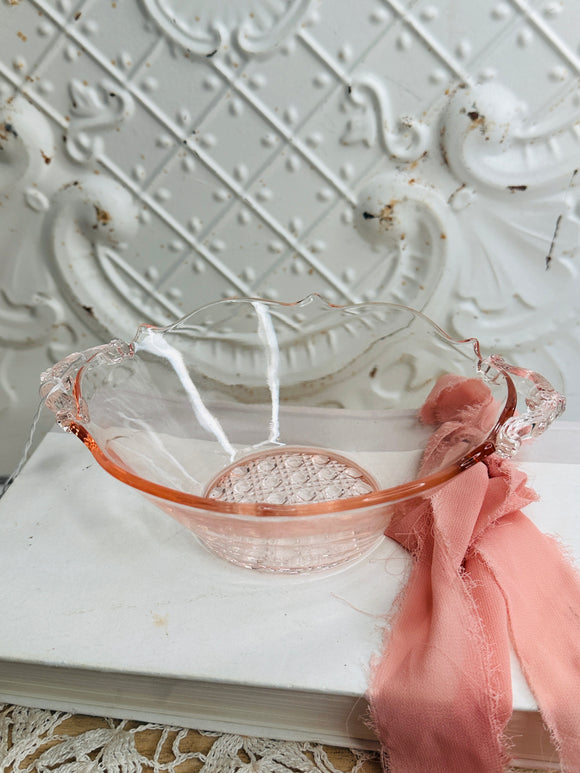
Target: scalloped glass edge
{"x": 61, "y": 391}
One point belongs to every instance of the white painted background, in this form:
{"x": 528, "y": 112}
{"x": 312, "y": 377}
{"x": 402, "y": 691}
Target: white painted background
{"x": 158, "y": 155}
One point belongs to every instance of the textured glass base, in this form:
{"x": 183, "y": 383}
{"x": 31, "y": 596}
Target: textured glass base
{"x": 291, "y": 476}
{"x": 294, "y": 556}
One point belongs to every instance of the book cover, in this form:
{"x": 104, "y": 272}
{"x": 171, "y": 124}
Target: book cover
{"x": 112, "y": 608}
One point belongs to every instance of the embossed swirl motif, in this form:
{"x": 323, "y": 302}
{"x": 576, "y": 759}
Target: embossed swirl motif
{"x": 94, "y": 109}
{"x": 492, "y": 208}
{"x": 515, "y": 200}
{"x": 254, "y": 26}
{"x": 406, "y": 139}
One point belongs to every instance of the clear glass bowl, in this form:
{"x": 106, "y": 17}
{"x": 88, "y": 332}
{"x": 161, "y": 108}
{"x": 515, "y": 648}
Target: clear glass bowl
{"x": 283, "y": 435}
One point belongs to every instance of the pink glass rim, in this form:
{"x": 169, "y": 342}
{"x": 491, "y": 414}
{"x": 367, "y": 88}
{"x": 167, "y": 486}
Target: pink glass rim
{"x": 262, "y": 509}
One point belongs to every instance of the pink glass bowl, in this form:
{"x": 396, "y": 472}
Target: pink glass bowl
{"x": 283, "y": 435}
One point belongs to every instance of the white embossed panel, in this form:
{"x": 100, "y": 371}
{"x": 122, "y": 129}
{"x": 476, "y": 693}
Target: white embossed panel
{"x": 158, "y": 155}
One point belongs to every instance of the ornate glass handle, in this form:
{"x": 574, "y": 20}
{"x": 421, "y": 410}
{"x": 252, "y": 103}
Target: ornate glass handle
{"x": 57, "y": 383}
{"x": 543, "y": 404}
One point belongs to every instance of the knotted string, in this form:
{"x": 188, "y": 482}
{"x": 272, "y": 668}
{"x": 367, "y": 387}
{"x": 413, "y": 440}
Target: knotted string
{"x": 483, "y": 575}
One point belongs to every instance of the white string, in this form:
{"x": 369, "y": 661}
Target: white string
{"x": 268, "y": 337}
{"x": 26, "y": 452}
{"x": 156, "y": 344}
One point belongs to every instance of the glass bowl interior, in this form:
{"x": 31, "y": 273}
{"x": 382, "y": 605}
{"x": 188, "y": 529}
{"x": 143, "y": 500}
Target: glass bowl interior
{"x": 282, "y": 423}
{"x": 240, "y": 378}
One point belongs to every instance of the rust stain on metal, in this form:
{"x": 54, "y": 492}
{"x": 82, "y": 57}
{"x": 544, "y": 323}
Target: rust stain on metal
{"x": 7, "y": 129}
{"x": 442, "y": 147}
{"x": 387, "y": 214}
{"x": 415, "y": 163}
{"x": 103, "y": 217}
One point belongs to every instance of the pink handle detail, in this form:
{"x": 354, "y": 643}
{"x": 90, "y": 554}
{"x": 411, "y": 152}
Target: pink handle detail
{"x": 57, "y": 384}
{"x": 542, "y": 404}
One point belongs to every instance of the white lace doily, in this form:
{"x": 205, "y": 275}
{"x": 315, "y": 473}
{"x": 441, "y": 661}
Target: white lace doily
{"x": 41, "y": 741}
{"x": 35, "y": 741}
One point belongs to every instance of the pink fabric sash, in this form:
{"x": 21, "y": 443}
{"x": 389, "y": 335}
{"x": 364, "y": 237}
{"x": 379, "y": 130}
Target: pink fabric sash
{"x": 483, "y": 575}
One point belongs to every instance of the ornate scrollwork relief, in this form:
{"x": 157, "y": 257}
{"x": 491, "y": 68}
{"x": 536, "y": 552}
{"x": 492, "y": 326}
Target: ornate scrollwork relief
{"x": 105, "y": 106}
{"x": 27, "y": 148}
{"x": 31, "y": 323}
{"x": 503, "y": 195}
{"x": 82, "y": 218}
{"x": 90, "y": 223}
{"x": 406, "y": 139}
{"x": 488, "y": 142}
{"x": 517, "y": 204}
{"x": 254, "y": 26}
{"x": 408, "y": 225}
{"x": 32, "y": 318}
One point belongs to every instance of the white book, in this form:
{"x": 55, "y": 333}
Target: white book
{"x": 111, "y": 608}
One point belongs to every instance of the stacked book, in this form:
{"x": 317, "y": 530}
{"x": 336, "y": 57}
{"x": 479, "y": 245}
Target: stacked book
{"x": 111, "y": 608}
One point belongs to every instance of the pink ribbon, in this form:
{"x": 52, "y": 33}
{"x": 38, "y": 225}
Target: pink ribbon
{"x": 483, "y": 575}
